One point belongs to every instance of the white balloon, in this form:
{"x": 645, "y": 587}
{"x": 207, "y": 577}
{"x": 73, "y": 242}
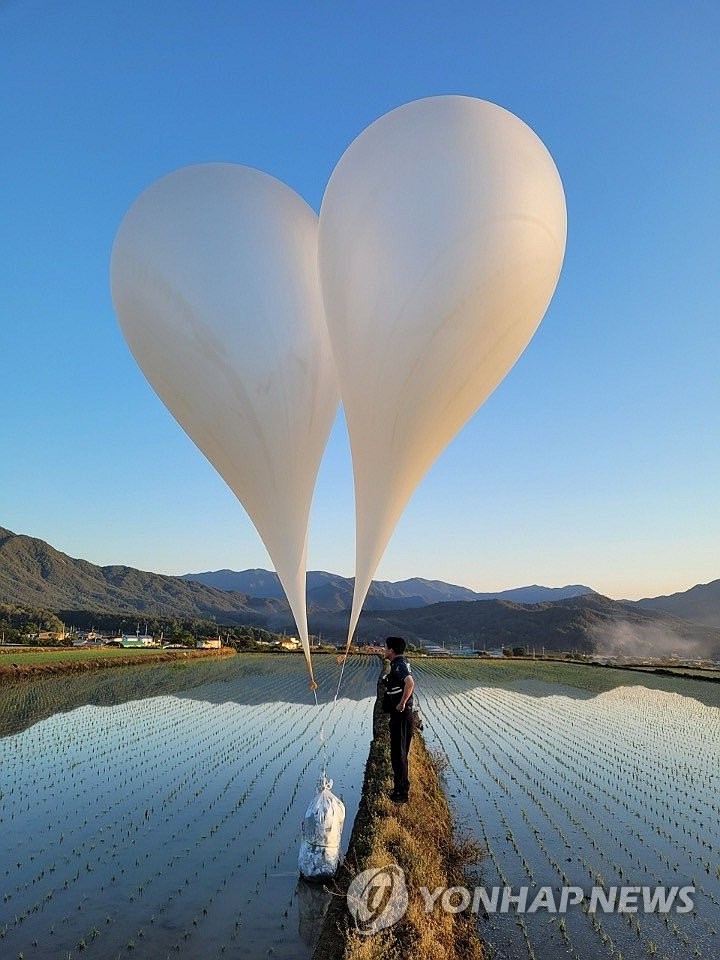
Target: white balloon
{"x": 215, "y": 285}
{"x": 442, "y": 233}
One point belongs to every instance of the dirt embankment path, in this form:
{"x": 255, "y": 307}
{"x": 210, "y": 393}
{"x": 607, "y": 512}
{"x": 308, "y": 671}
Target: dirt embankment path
{"x": 420, "y": 838}
{"x": 27, "y": 671}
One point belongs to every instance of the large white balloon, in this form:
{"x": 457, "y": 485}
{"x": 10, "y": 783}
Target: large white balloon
{"x": 215, "y": 284}
{"x": 442, "y": 234}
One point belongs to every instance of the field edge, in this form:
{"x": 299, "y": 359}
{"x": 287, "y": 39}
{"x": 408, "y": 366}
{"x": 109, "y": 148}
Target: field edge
{"x": 96, "y": 661}
{"x": 421, "y": 838}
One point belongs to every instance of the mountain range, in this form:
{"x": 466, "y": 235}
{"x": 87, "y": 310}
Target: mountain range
{"x": 35, "y": 574}
{"x": 700, "y": 603}
{"x": 589, "y": 623}
{"x": 329, "y": 591}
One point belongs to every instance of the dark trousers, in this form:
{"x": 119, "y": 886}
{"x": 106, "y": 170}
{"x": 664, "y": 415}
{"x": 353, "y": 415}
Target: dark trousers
{"x": 401, "y": 731}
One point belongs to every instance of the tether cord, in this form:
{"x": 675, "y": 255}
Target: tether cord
{"x": 313, "y": 687}
{"x": 323, "y": 739}
{"x": 342, "y": 670}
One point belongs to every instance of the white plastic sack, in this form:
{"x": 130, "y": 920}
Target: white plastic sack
{"x": 322, "y": 832}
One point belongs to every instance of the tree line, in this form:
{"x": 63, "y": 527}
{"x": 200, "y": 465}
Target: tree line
{"x": 23, "y": 624}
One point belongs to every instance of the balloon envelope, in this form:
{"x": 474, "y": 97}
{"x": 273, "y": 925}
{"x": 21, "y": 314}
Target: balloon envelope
{"x": 442, "y": 233}
{"x": 215, "y": 285}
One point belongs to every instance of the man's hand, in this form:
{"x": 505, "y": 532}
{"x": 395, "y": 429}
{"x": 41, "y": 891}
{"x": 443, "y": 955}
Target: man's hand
{"x": 408, "y": 688}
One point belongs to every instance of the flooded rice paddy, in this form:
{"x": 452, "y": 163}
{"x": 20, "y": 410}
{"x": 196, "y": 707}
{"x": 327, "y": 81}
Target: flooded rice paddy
{"x": 581, "y": 776}
{"x": 155, "y": 812}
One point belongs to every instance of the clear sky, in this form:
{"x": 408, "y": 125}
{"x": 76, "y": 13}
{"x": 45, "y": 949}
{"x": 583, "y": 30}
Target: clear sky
{"x": 596, "y": 461}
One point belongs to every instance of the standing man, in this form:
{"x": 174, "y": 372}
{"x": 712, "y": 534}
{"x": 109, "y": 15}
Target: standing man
{"x": 401, "y": 717}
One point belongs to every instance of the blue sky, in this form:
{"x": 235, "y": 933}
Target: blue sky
{"x": 597, "y": 459}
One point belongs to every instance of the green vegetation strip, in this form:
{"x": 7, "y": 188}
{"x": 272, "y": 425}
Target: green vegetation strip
{"x": 25, "y": 664}
{"x": 419, "y": 837}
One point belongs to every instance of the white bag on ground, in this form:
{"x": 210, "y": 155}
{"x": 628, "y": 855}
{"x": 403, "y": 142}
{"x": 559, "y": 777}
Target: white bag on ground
{"x": 322, "y": 832}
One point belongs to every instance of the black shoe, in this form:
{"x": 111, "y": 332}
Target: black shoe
{"x": 398, "y": 797}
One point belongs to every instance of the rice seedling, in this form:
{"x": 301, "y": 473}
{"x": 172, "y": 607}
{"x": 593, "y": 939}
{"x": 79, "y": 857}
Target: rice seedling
{"x": 586, "y": 777}
{"x": 142, "y": 824}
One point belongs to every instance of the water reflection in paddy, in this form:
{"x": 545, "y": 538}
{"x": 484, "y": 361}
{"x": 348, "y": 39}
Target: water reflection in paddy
{"x": 578, "y": 777}
{"x": 168, "y": 824}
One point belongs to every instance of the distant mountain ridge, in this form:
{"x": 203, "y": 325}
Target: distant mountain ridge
{"x": 700, "y": 603}
{"x": 33, "y": 573}
{"x": 329, "y": 590}
{"x": 589, "y": 623}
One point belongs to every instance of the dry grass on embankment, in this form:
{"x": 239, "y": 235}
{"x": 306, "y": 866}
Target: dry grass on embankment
{"x": 81, "y": 661}
{"x": 418, "y": 837}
